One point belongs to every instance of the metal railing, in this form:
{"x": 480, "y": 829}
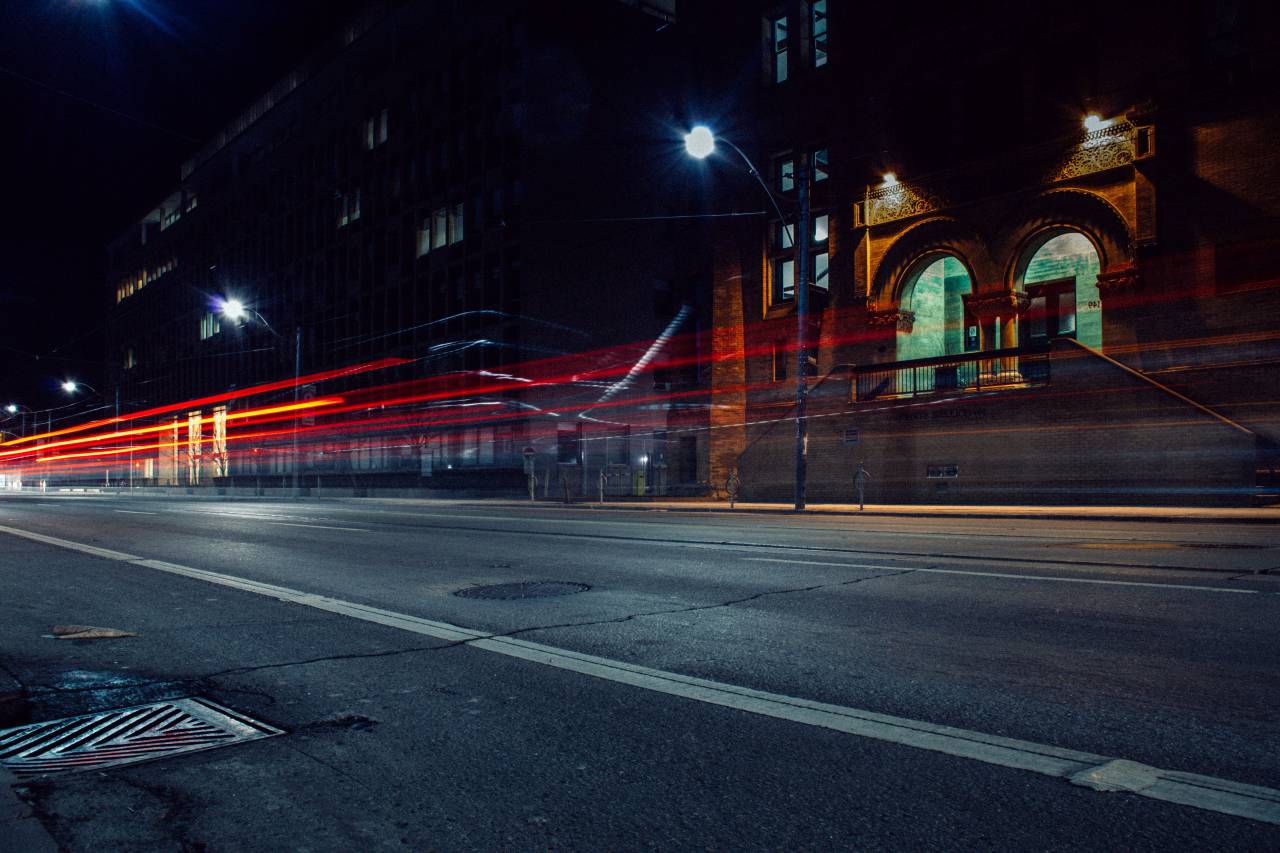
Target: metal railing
{"x": 1017, "y": 367}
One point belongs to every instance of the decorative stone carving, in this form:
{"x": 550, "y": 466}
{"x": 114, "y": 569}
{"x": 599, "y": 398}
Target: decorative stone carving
{"x": 1098, "y": 151}
{"x": 987, "y": 305}
{"x": 900, "y": 201}
{"x": 1119, "y": 279}
{"x": 903, "y": 321}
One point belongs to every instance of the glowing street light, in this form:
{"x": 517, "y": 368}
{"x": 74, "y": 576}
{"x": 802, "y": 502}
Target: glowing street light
{"x": 700, "y": 142}
{"x": 12, "y": 408}
{"x": 233, "y": 309}
{"x": 890, "y": 180}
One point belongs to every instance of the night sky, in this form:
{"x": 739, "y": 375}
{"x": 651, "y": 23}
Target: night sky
{"x": 102, "y": 101}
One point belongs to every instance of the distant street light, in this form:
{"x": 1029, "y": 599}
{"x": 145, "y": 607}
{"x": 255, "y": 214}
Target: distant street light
{"x": 71, "y": 386}
{"x": 700, "y": 143}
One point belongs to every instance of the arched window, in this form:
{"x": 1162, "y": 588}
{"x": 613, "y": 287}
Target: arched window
{"x": 1061, "y": 277}
{"x": 934, "y": 293}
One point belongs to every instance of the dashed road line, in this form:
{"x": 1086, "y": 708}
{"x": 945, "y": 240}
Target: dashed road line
{"x": 1080, "y": 768}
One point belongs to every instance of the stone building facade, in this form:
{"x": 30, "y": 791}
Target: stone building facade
{"x": 1044, "y": 253}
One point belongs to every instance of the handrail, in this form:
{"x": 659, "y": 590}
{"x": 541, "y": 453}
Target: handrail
{"x": 1004, "y": 368}
{"x": 977, "y": 355}
{"x": 1137, "y": 374}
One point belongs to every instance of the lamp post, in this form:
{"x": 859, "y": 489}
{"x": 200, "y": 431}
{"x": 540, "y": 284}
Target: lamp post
{"x": 14, "y": 409}
{"x": 700, "y": 143}
{"x": 235, "y": 310}
{"x": 71, "y": 386}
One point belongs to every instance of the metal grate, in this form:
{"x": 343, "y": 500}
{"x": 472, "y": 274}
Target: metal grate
{"x": 523, "y": 589}
{"x": 125, "y": 736}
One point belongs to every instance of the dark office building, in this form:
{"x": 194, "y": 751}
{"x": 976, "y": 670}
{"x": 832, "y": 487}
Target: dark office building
{"x": 1043, "y": 249}
{"x": 469, "y": 187}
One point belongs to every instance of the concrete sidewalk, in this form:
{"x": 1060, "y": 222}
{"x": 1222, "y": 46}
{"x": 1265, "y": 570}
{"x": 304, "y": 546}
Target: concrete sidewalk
{"x": 1217, "y": 515}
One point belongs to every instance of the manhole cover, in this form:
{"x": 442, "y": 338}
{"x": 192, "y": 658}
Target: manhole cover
{"x": 523, "y": 589}
{"x": 125, "y": 736}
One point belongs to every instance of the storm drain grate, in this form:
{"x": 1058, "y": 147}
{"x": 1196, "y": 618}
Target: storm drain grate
{"x": 523, "y": 589}
{"x": 125, "y": 736}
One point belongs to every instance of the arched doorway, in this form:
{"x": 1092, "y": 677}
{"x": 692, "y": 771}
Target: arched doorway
{"x": 934, "y": 293}
{"x": 1060, "y": 275}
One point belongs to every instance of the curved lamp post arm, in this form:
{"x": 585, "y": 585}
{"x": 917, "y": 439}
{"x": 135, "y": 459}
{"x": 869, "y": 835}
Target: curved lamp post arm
{"x": 755, "y": 173}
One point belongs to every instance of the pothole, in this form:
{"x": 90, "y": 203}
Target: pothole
{"x": 522, "y": 589}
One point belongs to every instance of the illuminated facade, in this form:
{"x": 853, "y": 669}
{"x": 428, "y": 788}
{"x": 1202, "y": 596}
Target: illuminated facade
{"x": 456, "y": 189}
{"x": 1050, "y": 260}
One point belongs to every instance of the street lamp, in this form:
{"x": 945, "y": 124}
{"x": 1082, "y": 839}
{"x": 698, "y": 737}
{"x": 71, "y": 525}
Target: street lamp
{"x": 700, "y": 143}
{"x": 235, "y": 310}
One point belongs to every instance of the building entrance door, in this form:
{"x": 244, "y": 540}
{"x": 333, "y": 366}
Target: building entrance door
{"x": 1052, "y": 312}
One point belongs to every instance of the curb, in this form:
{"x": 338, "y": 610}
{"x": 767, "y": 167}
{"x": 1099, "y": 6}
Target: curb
{"x": 1049, "y": 514}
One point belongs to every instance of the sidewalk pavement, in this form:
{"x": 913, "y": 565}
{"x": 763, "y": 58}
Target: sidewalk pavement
{"x": 1217, "y": 515}
{"x": 1213, "y": 515}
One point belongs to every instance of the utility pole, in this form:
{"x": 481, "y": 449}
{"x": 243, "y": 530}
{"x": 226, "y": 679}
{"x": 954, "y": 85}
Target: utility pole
{"x": 802, "y": 241}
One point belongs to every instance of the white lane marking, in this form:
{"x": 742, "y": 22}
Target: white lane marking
{"x": 1190, "y": 789}
{"x": 1006, "y": 575}
{"x": 318, "y": 526}
{"x": 134, "y": 511}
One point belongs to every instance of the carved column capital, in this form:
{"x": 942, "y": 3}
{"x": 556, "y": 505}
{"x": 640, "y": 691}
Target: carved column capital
{"x": 988, "y": 305}
{"x": 1119, "y": 279}
{"x": 902, "y": 321}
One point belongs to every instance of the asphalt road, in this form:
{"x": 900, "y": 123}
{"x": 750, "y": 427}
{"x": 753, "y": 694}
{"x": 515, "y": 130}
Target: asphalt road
{"x": 684, "y": 701}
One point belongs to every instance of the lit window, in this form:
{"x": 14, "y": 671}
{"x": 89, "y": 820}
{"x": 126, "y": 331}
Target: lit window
{"x": 355, "y": 206}
{"x": 455, "y": 224}
{"x": 424, "y": 237}
{"x": 209, "y": 326}
{"x": 778, "y": 31}
{"x": 369, "y": 128}
{"x": 818, "y": 28}
{"x": 382, "y": 127}
{"x": 821, "y": 169}
{"x": 439, "y": 227}
{"x": 783, "y": 266}
{"x": 786, "y": 175}
{"x": 130, "y": 359}
{"x": 784, "y": 237}
{"x": 784, "y": 283}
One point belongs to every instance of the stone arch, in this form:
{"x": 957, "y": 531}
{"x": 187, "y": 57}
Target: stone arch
{"x": 931, "y": 238}
{"x": 932, "y": 295}
{"x": 1055, "y": 212}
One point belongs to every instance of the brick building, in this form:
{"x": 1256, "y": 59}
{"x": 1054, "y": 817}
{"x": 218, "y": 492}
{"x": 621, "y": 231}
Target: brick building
{"x": 1043, "y": 249}
{"x": 472, "y": 189}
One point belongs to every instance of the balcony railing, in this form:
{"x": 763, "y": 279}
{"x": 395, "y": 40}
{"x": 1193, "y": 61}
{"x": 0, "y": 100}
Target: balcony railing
{"x": 1017, "y": 367}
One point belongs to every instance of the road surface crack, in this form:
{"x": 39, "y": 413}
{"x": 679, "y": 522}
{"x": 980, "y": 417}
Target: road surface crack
{"x": 694, "y": 609}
